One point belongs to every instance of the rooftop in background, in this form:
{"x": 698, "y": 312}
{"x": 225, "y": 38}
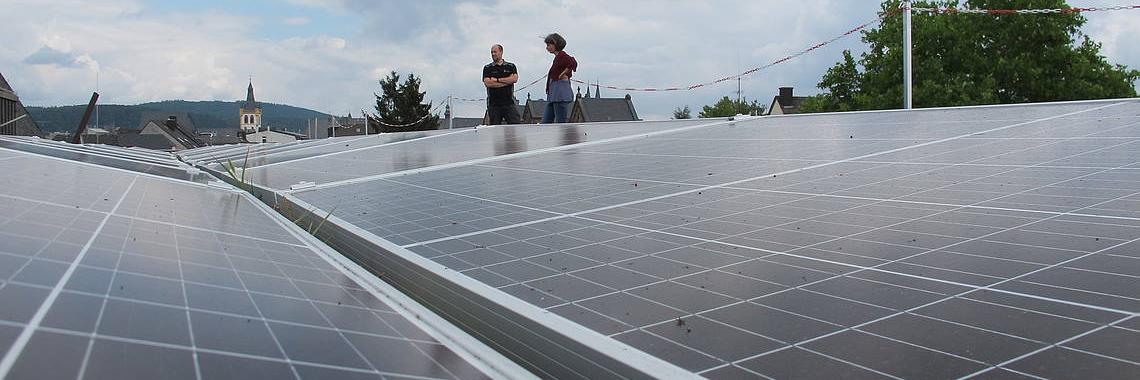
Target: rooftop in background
{"x": 585, "y": 109}
{"x": 179, "y": 136}
{"x": 14, "y": 119}
{"x": 595, "y": 110}
{"x": 463, "y": 122}
{"x": 184, "y": 119}
{"x": 785, "y": 103}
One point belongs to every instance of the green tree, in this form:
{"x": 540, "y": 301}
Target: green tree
{"x": 969, "y": 59}
{"x": 729, "y": 107}
{"x": 682, "y": 113}
{"x": 843, "y": 81}
{"x": 401, "y": 104}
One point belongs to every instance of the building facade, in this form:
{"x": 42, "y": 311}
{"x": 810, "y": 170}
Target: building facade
{"x": 14, "y": 119}
{"x": 596, "y": 109}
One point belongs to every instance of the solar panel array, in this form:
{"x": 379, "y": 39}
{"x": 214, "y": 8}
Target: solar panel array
{"x": 108, "y": 273}
{"x": 967, "y": 242}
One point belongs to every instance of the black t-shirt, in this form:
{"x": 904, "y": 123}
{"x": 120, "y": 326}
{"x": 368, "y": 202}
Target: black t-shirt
{"x": 501, "y": 96}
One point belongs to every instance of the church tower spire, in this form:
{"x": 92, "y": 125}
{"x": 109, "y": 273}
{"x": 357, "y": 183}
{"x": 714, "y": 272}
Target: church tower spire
{"x": 250, "y": 103}
{"x": 250, "y": 112}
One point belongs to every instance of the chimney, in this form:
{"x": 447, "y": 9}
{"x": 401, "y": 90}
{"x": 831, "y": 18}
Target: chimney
{"x": 785, "y": 96}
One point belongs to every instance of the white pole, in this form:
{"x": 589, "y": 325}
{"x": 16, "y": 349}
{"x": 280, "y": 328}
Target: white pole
{"x": 450, "y": 115}
{"x": 908, "y": 51}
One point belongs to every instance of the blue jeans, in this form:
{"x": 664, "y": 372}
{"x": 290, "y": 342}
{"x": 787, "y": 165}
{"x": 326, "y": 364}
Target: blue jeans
{"x": 556, "y": 112}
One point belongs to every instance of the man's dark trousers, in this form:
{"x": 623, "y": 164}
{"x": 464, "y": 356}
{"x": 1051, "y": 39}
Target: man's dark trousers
{"x": 499, "y": 114}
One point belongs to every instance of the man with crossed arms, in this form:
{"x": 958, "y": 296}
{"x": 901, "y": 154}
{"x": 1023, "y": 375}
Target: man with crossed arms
{"x": 500, "y": 77}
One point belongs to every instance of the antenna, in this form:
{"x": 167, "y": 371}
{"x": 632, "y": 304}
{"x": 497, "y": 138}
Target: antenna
{"x": 737, "y": 90}
{"x": 96, "y": 90}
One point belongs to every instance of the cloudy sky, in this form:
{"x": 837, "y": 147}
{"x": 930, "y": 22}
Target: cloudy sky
{"x": 328, "y": 54}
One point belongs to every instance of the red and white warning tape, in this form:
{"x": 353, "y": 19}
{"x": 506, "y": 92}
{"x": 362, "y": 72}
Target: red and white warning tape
{"x": 854, "y": 30}
{"x": 1023, "y": 11}
{"x": 754, "y": 70}
{"x": 406, "y": 124}
{"x": 725, "y": 79}
{"x": 864, "y": 26}
{"x": 539, "y": 79}
{"x": 429, "y": 114}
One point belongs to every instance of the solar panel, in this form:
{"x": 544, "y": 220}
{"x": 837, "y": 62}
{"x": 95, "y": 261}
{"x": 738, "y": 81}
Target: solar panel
{"x": 155, "y": 163}
{"x": 108, "y": 274}
{"x": 270, "y": 153}
{"x": 359, "y": 157}
{"x": 977, "y": 241}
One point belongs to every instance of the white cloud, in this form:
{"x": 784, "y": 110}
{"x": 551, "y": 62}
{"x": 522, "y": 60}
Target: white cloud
{"x": 318, "y": 3}
{"x": 1117, "y": 32}
{"x": 138, "y": 58}
{"x": 47, "y": 55}
{"x": 296, "y": 21}
{"x": 315, "y": 43}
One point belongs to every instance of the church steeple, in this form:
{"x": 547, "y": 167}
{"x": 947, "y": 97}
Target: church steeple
{"x": 250, "y": 112}
{"x": 250, "y": 103}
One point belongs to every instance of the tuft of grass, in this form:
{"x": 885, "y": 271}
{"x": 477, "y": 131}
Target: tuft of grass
{"x": 231, "y": 169}
{"x": 313, "y": 231}
{"x": 314, "y": 226}
{"x": 246, "y": 184}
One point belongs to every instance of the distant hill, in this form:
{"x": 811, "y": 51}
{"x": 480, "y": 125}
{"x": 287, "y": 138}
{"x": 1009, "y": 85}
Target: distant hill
{"x": 206, "y": 115}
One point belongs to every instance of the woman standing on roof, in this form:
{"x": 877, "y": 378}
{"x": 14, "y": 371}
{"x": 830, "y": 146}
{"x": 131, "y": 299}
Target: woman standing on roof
{"x": 559, "y": 95}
